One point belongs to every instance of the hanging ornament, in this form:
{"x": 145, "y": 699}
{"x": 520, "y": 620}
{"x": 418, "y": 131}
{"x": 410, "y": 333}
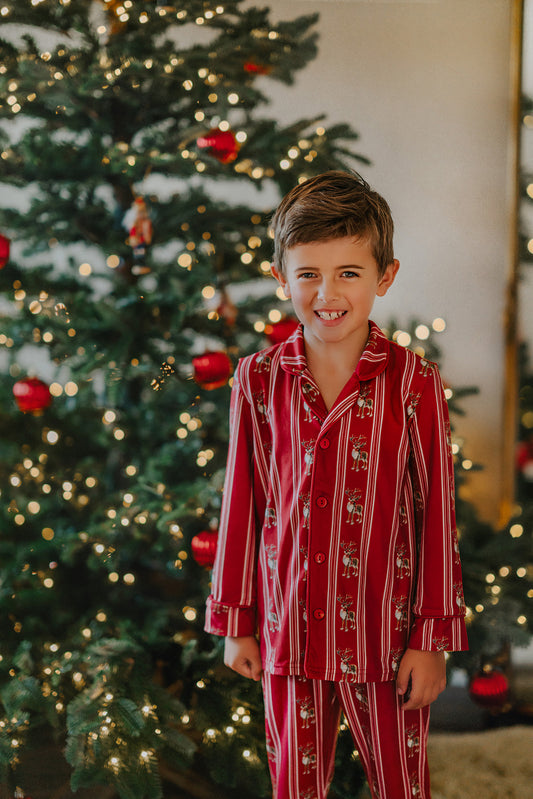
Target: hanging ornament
{"x": 32, "y": 395}
{"x": 227, "y": 309}
{"x": 5, "y": 244}
{"x": 221, "y": 144}
{"x": 280, "y": 331}
{"x": 257, "y": 69}
{"x": 204, "y": 547}
{"x": 489, "y": 688}
{"x": 139, "y": 225}
{"x": 19, "y": 794}
{"x": 212, "y": 369}
{"x": 524, "y": 460}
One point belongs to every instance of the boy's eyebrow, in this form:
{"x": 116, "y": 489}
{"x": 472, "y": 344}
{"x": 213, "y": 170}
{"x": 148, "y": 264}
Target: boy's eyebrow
{"x": 304, "y": 268}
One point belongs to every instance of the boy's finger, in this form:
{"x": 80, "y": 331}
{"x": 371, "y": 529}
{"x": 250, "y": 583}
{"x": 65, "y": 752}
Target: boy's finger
{"x": 256, "y": 669}
{"x": 403, "y": 681}
{"x": 252, "y": 670}
{"x": 418, "y": 700}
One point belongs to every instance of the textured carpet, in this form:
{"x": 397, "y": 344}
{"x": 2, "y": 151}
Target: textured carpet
{"x": 495, "y": 764}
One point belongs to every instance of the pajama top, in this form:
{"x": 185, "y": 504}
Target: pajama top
{"x": 337, "y": 540}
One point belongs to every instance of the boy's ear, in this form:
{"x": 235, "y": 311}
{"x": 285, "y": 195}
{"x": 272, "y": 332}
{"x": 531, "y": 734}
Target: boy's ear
{"x": 388, "y": 278}
{"x": 282, "y": 280}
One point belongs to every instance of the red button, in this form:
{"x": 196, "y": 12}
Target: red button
{"x": 318, "y": 614}
{"x": 320, "y": 557}
{"x": 322, "y": 502}
{"x": 324, "y": 443}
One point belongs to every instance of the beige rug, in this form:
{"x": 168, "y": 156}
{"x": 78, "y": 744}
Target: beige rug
{"x": 494, "y": 764}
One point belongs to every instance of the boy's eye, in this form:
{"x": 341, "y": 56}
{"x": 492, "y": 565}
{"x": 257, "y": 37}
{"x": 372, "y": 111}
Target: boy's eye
{"x": 306, "y": 275}
{"x": 350, "y": 273}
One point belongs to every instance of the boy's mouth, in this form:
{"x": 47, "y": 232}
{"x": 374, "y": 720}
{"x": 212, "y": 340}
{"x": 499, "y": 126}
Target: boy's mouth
{"x": 330, "y": 315}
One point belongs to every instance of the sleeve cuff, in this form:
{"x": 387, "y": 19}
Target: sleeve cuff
{"x": 446, "y": 634}
{"x": 225, "y": 620}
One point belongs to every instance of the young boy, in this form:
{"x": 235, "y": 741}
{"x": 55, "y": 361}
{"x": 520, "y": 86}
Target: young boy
{"x": 337, "y": 545}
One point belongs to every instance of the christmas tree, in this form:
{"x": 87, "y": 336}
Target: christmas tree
{"x": 133, "y": 155}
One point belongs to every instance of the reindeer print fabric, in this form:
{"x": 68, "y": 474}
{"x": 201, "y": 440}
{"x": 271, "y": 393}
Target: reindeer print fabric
{"x": 302, "y": 720}
{"x": 337, "y": 540}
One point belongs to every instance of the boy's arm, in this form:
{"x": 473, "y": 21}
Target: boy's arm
{"x": 421, "y": 677}
{"x": 231, "y": 607}
{"x": 438, "y": 608}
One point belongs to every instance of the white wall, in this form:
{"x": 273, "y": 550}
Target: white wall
{"x": 427, "y": 86}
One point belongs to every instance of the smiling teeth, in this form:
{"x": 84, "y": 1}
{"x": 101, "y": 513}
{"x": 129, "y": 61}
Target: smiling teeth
{"x": 330, "y": 314}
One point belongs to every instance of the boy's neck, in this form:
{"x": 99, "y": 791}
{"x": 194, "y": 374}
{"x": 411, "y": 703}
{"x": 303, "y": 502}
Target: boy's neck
{"x": 341, "y": 356}
{"x": 332, "y": 365}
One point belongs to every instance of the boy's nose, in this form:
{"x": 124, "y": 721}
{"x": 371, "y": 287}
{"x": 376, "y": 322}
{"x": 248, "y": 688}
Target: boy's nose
{"x": 327, "y": 290}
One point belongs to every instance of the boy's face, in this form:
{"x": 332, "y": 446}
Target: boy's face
{"x": 332, "y": 285}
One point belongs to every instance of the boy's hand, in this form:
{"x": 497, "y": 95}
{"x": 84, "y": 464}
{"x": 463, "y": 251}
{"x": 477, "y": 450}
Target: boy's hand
{"x": 243, "y": 656}
{"x": 425, "y": 674}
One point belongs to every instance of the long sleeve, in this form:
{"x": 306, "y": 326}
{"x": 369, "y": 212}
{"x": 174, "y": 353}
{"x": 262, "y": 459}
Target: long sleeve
{"x": 438, "y": 607}
{"x": 231, "y": 607}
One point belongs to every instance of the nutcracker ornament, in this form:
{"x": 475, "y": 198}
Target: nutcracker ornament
{"x": 139, "y": 225}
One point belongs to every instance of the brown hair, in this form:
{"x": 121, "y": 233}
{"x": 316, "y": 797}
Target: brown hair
{"x": 330, "y": 206}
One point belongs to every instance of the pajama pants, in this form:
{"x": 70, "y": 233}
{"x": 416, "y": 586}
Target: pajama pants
{"x": 302, "y": 721}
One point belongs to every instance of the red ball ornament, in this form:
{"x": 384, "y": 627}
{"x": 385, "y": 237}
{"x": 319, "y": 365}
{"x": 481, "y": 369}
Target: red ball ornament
{"x": 280, "y": 331}
{"x": 257, "y": 69}
{"x": 5, "y": 245}
{"x": 212, "y": 369}
{"x": 32, "y": 395}
{"x": 204, "y": 547}
{"x": 489, "y": 688}
{"x": 221, "y": 144}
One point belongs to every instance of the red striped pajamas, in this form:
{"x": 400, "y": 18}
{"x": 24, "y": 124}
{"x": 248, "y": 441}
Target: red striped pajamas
{"x": 302, "y": 720}
{"x": 337, "y": 542}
